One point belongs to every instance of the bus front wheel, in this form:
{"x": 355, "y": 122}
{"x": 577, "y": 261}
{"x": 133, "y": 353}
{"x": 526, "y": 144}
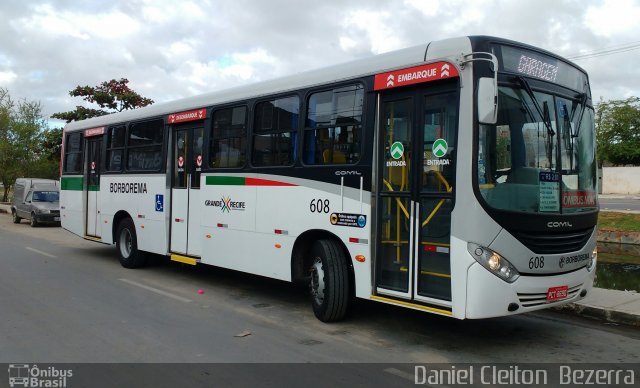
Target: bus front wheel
{"x": 127, "y": 245}
{"x": 329, "y": 283}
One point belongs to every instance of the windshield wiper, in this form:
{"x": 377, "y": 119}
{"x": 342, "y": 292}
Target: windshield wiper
{"x": 583, "y": 104}
{"x": 545, "y": 117}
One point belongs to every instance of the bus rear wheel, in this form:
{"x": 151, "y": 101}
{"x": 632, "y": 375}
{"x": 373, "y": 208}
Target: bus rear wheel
{"x": 127, "y": 245}
{"x": 329, "y": 283}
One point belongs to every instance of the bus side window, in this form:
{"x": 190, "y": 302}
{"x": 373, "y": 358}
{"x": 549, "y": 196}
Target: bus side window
{"x": 333, "y": 126}
{"x": 144, "y": 146}
{"x": 73, "y": 153}
{"x": 228, "y": 137}
{"x": 275, "y": 132}
{"x": 115, "y": 147}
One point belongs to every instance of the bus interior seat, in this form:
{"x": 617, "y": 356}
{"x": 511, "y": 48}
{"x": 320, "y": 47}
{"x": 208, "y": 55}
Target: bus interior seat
{"x": 335, "y": 157}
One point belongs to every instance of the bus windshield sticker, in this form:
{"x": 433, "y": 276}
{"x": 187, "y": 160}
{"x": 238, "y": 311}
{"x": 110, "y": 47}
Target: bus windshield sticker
{"x": 576, "y": 199}
{"x": 549, "y": 191}
{"x": 347, "y": 219}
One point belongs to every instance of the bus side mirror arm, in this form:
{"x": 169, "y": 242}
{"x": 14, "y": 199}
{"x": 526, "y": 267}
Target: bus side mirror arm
{"x": 487, "y": 92}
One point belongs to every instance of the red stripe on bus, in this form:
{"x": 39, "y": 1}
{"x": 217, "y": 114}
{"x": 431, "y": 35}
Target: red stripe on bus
{"x": 265, "y": 182}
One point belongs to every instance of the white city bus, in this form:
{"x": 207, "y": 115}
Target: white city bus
{"x": 457, "y": 177}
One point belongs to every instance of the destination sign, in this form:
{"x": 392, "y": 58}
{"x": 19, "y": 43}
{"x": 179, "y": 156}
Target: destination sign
{"x": 541, "y": 66}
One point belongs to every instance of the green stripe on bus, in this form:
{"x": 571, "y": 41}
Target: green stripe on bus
{"x": 94, "y": 187}
{"x": 225, "y": 180}
{"x": 71, "y": 183}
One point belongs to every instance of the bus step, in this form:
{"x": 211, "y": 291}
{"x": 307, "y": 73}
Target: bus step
{"x": 184, "y": 259}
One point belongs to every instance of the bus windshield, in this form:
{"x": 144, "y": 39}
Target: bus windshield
{"x": 540, "y": 155}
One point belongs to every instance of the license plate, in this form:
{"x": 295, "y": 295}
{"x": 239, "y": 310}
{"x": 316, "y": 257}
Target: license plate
{"x": 56, "y": 218}
{"x": 557, "y": 293}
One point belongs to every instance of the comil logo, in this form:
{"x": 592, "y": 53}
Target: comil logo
{"x": 25, "y": 375}
{"x": 559, "y": 224}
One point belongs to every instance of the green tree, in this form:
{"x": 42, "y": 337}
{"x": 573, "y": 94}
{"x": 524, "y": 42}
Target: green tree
{"x": 111, "y": 96}
{"x": 21, "y": 133}
{"x": 618, "y": 131}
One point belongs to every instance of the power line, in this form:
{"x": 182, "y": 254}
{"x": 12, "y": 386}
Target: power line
{"x": 606, "y": 51}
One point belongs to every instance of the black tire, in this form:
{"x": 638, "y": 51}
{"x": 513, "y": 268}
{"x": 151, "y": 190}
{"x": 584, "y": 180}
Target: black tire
{"x": 329, "y": 283}
{"x": 16, "y": 219}
{"x": 127, "y": 245}
{"x": 34, "y": 220}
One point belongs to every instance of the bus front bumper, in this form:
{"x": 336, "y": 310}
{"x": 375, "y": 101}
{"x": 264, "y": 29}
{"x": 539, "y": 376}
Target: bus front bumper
{"x": 489, "y": 296}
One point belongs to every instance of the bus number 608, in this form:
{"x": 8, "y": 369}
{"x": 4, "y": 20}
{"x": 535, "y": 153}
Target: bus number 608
{"x": 536, "y": 262}
{"x": 319, "y": 206}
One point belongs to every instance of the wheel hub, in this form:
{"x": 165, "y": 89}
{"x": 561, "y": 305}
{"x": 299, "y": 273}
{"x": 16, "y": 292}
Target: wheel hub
{"x": 317, "y": 281}
{"x": 125, "y": 243}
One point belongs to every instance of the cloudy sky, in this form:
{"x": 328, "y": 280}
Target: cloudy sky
{"x": 170, "y": 49}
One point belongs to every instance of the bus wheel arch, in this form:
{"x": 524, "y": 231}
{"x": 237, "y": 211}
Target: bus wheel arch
{"x": 320, "y": 259}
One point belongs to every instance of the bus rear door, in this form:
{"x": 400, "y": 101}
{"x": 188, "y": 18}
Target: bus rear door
{"x": 93, "y": 161}
{"x": 185, "y": 189}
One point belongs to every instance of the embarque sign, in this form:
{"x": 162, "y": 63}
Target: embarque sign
{"x": 415, "y": 75}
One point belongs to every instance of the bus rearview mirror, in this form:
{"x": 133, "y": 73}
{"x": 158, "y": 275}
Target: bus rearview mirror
{"x": 487, "y": 101}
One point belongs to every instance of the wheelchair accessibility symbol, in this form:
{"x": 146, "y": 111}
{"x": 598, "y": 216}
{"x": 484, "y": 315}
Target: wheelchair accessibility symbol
{"x": 159, "y": 202}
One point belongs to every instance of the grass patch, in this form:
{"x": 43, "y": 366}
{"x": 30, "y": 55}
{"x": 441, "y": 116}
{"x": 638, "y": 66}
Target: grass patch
{"x": 619, "y": 222}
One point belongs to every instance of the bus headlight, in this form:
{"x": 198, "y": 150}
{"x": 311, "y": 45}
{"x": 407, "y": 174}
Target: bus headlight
{"x": 495, "y": 263}
{"x": 591, "y": 264}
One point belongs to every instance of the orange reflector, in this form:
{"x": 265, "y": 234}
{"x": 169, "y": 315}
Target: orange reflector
{"x": 278, "y": 246}
{"x": 141, "y": 226}
{"x": 208, "y": 236}
{"x": 360, "y": 258}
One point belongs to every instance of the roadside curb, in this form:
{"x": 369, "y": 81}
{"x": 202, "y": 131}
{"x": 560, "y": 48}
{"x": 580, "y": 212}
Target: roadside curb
{"x": 611, "y": 306}
{"x": 602, "y": 314}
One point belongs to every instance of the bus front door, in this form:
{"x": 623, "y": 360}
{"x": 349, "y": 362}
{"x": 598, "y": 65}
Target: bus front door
{"x": 415, "y": 196}
{"x": 94, "y": 146}
{"x": 185, "y": 190}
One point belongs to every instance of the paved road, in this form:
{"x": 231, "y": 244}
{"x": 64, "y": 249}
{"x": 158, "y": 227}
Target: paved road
{"x": 63, "y": 299}
{"x": 627, "y": 204}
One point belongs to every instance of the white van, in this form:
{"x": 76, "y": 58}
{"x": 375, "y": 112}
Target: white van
{"x": 37, "y": 200}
